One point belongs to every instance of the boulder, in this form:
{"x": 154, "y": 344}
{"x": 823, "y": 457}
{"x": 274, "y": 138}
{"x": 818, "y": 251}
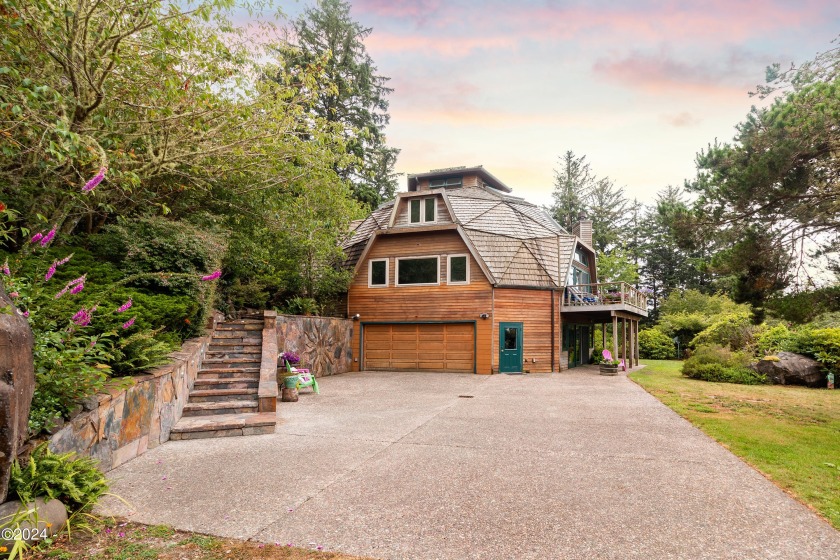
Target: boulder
{"x": 792, "y": 369}
{"x": 37, "y": 521}
{"x": 17, "y": 385}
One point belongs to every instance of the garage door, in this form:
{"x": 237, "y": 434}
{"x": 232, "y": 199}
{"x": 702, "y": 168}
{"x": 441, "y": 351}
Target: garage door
{"x": 420, "y": 347}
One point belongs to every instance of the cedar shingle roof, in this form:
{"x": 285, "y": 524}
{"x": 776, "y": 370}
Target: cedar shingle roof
{"x": 520, "y": 244}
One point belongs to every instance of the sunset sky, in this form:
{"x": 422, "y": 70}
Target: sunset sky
{"x": 637, "y": 87}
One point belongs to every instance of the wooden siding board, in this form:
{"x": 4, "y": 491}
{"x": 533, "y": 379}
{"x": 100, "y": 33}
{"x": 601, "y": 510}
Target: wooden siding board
{"x": 533, "y": 309}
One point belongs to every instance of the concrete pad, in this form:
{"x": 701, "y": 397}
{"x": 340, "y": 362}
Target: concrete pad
{"x": 571, "y": 465}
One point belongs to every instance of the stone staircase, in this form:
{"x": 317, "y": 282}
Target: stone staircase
{"x": 226, "y": 398}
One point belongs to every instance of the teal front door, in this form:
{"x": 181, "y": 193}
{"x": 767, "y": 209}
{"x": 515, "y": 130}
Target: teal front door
{"x": 510, "y": 347}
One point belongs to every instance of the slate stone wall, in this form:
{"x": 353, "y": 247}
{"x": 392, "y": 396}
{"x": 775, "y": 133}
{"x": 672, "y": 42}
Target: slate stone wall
{"x": 124, "y": 422}
{"x": 323, "y": 343}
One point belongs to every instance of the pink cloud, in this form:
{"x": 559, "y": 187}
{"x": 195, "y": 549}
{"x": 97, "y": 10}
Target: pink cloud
{"x": 661, "y": 72}
{"x": 416, "y": 10}
{"x": 450, "y": 46}
{"x": 681, "y": 120}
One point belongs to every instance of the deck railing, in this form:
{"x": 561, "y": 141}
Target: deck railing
{"x": 606, "y": 293}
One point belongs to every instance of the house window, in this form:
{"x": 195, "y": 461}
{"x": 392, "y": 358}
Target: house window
{"x": 581, "y": 257}
{"x": 419, "y": 270}
{"x": 579, "y": 276}
{"x": 447, "y": 182}
{"x": 378, "y": 273}
{"x": 429, "y": 215}
{"x": 459, "y": 269}
{"x": 422, "y": 210}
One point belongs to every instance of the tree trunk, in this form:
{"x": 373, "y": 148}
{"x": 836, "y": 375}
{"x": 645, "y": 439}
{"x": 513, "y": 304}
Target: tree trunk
{"x": 17, "y": 385}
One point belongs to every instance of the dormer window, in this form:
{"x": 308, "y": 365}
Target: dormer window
{"x": 447, "y": 182}
{"x": 422, "y": 210}
{"x": 581, "y": 257}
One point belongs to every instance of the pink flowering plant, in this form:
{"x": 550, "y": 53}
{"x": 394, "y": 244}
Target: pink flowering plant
{"x": 84, "y": 333}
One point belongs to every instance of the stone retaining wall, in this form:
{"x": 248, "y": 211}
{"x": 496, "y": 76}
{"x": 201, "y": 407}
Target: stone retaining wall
{"x": 122, "y": 423}
{"x": 323, "y": 343}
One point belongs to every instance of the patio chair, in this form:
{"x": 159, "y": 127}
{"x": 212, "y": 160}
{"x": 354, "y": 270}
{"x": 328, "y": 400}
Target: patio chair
{"x": 576, "y": 294}
{"x": 608, "y": 356}
{"x": 305, "y": 378}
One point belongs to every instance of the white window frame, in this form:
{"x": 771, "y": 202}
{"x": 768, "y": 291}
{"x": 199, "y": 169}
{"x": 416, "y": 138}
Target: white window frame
{"x": 412, "y": 258}
{"x": 422, "y": 201}
{"x": 449, "y": 270}
{"x": 387, "y": 271}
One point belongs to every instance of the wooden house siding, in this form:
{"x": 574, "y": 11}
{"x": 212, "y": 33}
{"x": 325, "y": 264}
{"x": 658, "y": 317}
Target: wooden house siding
{"x": 417, "y": 304}
{"x": 532, "y": 308}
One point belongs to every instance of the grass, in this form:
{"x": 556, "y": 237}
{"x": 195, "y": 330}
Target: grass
{"x": 120, "y": 540}
{"x": 790, "y": 434}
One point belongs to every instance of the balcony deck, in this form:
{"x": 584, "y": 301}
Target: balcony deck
{"x": 604, "y": 297}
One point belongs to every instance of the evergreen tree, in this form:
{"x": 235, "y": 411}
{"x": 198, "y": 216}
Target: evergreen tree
{"x": 329, "y": 39}
{"x": 608, "y": 210}
{"x": 573, "y": 182}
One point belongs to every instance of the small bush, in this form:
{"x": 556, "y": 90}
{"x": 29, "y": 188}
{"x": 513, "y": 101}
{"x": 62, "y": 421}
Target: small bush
{"x": 734, "y": 330}
{"x": 716, "y": 363}
{"x": 656, "y": 345}
{"x": 75, "y": 482}
{"x": 772, "y": 340}
{"x": 821, "y": 344}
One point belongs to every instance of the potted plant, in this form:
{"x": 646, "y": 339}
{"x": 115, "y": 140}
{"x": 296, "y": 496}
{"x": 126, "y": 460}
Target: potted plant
{"x": 290, "y": 357}
{"x": 609, "y": 367}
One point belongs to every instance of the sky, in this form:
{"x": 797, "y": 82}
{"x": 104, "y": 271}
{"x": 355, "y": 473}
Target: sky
{"x": 637, "y": 87}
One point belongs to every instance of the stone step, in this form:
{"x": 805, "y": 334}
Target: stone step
{"x": 225, "y": 343}
{"x": 226, "y": 373}
{"x": 224, "y": 425}
{"x": 244, "y": 337}
{"x": 256, "y": 354}
{"x": 227, "y": 363}
{"x": 222, "y": 407}
{"x": 238, "y": 327}
{"x": 216, "y": 395}
{"x": 226, "y": 383}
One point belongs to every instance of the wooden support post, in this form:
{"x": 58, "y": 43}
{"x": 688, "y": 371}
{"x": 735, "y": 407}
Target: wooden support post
{"x": 615, "y": 338}
{"x": 624, "y": 340}
{"x": 638, "y": 353}
{"x": 603, "y": 335}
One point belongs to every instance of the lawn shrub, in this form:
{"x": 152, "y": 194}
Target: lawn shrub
{"x": 713, "y": 362}
{"x": 772, "y": 339}
{"x": 821, "y": 344}
{"x": 77, "y": 483}
{"x": 656, "y": 345}
{"x": 734, "y": 330}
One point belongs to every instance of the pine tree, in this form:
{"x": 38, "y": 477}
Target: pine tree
{"x": 608, "y": 210}
{"x": 573, "y": 182}
{"x": 357, "y": 98}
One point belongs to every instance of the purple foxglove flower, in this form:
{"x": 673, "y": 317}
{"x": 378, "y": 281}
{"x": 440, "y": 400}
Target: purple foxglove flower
{"x": 82, "y": 317}
{"x": 24, "y": 313}
{"x": 90, "y": 185}
{"x": 37, "y": 237}
{"x": 50, "y": 272}
{"x": 212, "y": 276}
{"x": 48, "y": 237}
{"x": 70, "y": 284}
{"x": 125, "y": 307}
{"x": 65, "y": 260}
{"x": 77, "y": 288}
{"x": 128, "y": 324}
{"x": 6, "y": 270}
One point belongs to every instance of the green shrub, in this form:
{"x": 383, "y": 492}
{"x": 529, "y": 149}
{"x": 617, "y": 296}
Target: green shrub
{"x": 830, "y": 320}
{"x": 805, "y": 307}
{"x": 75, "y": 482}
{"x": 656, "y": 345}
{"x": 716, "y": 363}
{"x": 821, "y": 344}
{"x": 734, "y": 330}
{"x": 772, "y": 339}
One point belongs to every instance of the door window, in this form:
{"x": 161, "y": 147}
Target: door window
{"x": 510, "y": 338}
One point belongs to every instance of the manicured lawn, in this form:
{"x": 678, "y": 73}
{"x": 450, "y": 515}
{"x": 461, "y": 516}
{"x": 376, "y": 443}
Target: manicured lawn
{"x": 119, "y": 540}
{"x": 790, "y": 434}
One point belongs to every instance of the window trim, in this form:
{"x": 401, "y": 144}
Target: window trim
{"x": 449, "y": 270}
{"x": 387, "y": 271}
{"x": 422, "y": 202}
{"x": 412, "y": 258}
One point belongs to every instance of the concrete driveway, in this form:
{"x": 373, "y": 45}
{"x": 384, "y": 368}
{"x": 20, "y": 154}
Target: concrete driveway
{"x": 396, "y": 465}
